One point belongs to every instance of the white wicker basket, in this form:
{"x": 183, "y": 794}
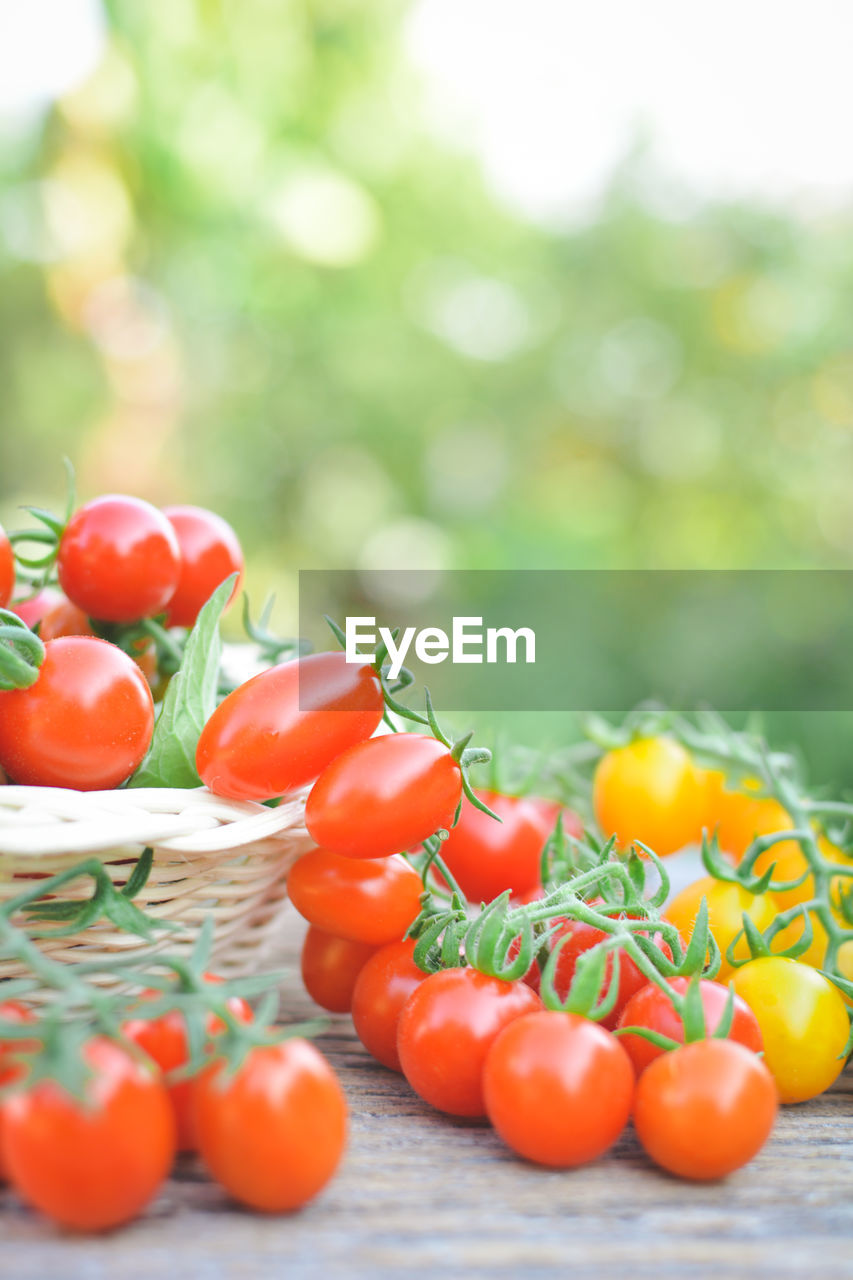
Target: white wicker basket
{"x": 212, "y": 858}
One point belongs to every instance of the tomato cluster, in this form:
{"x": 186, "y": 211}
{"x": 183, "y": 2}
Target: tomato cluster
{"x": 559, "y": 1088}
{"x": 651, "y": 790}
{"x": 698, "y": 1066}
{"x": 272, "y": 1133}
{"x": 86, "y": 721}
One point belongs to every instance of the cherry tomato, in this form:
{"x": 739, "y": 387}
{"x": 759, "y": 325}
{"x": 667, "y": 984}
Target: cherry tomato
{"x": 651, "y": 1009}
{"x": 791, "y": 863}
{"x": 64, "y": 619}
{"x": 210, "y": 552}
{"x": 705, "y": 1109}
{"x": 383, "y": 796}
{"x": 575, "y": 938}
{"x": 86, "y": 722}
{"x": 33, "y": 608}
{"x": 727, "y": 904}
{"x": 92, "y": 1165}
{"x": 738, "y": 814}
{"x": 485, "y": 857}
{"x": 368, "y": 901}
{"x": 281, "y": 729}
{"x": 330, "y": 967}
{"x": 649, "y": 790}
{"x": 803, "y": 1021}
{"x": 11, "y": 1011}
{"x": 273, "y": 1133}
{"x": 447, "y": 1027}
{"x": 558, "y": 1088}
{"x": 164, "y": 1039}
{"x": 119, "y": 559}
{"x": 382, "y": 988}
{"x": 7, "y": 570}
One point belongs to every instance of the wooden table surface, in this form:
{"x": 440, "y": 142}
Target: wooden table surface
{"x": 422, "y": 1195}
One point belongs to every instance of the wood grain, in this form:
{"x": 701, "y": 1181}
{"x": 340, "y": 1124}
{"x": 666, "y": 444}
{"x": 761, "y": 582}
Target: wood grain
{"x": 421, "y": 1195}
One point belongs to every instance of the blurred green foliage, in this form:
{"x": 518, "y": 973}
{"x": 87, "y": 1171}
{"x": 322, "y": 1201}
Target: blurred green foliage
{"x": 238, "y": 268}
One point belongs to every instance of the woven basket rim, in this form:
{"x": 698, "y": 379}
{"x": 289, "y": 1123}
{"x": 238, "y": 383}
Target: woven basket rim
{"x": 49, "y": 821}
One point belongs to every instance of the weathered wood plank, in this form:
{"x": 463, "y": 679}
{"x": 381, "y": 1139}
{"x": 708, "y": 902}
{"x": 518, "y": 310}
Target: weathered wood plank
{"x": 420, "y": 1194}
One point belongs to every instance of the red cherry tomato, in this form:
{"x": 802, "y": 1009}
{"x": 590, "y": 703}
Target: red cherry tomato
{"x": 273, "y": 1133}
{"x": 11, "y": 1011}
{"x": 383, "y": 796}
{"x": 33, "y": 608}
{"x": 210, "y": 553}
{"x": 485, "y": 857}
{"x": 382, "y": 988}
{"x": 281, "y": 729}
{"x": 558, "y": 1088}
{"x": 367, "y": 901}
{"x": 7, "y": 570}
{"x": 95, "y": 1164}
{"x": 447, "y": 1027}
{"x": 330, "y": 966}
{"x": 650, "y": 1008}
{"x": 86, "y": 722}
{"x": 165, "y": 1041}
{"x": 64, "y": 619}
{"x": 580, "y": 938}
{"x": 705, "y": 1109}
{"x": 118, "y": 559}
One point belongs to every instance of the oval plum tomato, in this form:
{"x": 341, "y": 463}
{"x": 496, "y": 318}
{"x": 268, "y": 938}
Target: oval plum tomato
{"x": 575, "y": 937}
{"x": 11, "y": 1011}
{"x": 7, "y": 570}
{"x": 92, "y": 1165}
{"x": 558, "y": 1088}
{"x": 727, "y": 904}
{"x": 485, "y": 857}
{"x": 32, "y": 609}
{"x": 803, "y": 1021}
{"x": 447, "y": 1027}
{"x": 210, "y": 553}
{"x": 705, "y": 1109}
{"x": 383, "y": 796}
{"x": 86, "y": 722}
{"x": 651, "y": 1009}
{"x": 367, "y": 901}
{"x": 649, "y": 790}
{"x": 273, "y": 1133}
{"x": 164, "y": 1039}
{"x": 280, "y": 730}
{"x": 382, "y": 988}
{"x": 118, "y": 559}
{"x": 330, "y": 966}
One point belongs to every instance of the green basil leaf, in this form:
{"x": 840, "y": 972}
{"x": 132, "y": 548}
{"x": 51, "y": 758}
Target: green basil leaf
{"x": 189, "y": 702}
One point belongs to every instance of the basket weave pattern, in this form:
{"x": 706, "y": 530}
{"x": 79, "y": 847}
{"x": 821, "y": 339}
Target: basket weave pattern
{"x": 212, "y": 857}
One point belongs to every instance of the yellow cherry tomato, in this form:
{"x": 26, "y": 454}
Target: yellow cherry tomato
{"x": 649, "y": 790}
{"x": 738, "y": 816}
{"x": 803, "y": 1021}
{"x": 791, "y": 862}
{"x": 726, "y": 906}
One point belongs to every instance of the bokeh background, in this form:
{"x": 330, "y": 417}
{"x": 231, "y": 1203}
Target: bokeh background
{"x": 438, "y": 283}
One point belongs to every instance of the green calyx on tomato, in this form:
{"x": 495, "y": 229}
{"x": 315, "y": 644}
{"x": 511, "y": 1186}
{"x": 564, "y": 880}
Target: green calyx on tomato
{"x": 21, "y": 653}
{"x": 597, "y": 939}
